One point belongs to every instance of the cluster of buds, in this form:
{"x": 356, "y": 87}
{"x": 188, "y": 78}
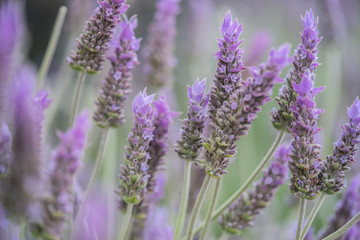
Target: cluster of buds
{"x": 134, "y": 174}
{"x": 241, "y": 214}
{"x": 116, "y": 87}
{"x": 58, "y": 204}
{"x": 306, "y": 163}
{"x": 159, "y": 59}
{"x": 92, "y": 44}
{"x": 190, "y": 143}
{"x": 304, "y": 59}
{"x": 333, "y": 176}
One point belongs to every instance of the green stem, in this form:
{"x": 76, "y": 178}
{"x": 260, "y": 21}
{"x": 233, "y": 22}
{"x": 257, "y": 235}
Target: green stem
{"x": 77, "y": 95}
{"x": 302, "y": 209}
{"x": 50, "y": 50}
{"x": 312, "y": 215}
{"x": 184, "y": 200}
{"x": 22, "y": 230}
{"x": 224, "y": 236}
{"x": 344, "y": 228}
{"x": 248, "y": 182}
{"x": 126, "y": 222}
{"x": 197, "y": 207}
{"x": 94, "y": 174}
{"x": 211, "y": 208}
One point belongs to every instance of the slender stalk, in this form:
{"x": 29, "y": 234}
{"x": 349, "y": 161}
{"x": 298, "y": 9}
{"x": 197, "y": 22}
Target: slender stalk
{"x": 344, "y": 228}
{"x": 302, "y": 209}
{"x": 224, "y": 236}
{"x": 50, "y": 50}
{"x": 184, "y": 200}
{"x": 248, "y": 182}
{"x": 22, "y": 230}
{"x": 197, "y": 207}
{"x": 126, "y": 222}
{"x": 77, "y": 95}
{"x": 312, "y": 215}
{"x": 211, "y": 208}
{"x": 94, "y": 174}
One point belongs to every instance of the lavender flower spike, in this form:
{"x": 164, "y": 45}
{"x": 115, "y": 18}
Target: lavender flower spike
{"x": 116, "y": 87}
{"x": 235, "y": 116}
{"x": 304, "y": 59}
{"x": 58, "y": 204}
{"x": 92, "y": 44}
{"x": 159, "y": 60}
{"x": 134, "y": 175}
{"x": 241, "y": 214}
{"x": 344, "y": 152}
{"x": 157, "y": 150}
{"x": 190, "y": 143}
{"x": 346, "y": 208}
{"x": 306, "y": 163}
{"x": 6, "y": 155}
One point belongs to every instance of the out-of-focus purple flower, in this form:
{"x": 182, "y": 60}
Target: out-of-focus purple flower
{"x": 58, "y": 204}
{"x": 157, "y": 150}
{"x": 24, "y": 172}
{"x": 304, "y": 59}
{"x": 306, "y": 163}
{"x": 333, "y": 176}
{"x": 346, "y": 208}
{"x": 157, "y": 226}
{"x": 241, "y": 214}
{"x": 92, "y": 44}
{"x": 190, "y": 143}
{"x": 260, "y": 44}
{"x": 236, "y": 114}
{"x": 134, "y": 174}
{"x": 11, "y": 27}
{"x": 159, "y": 60}
{"x": 6, "y": 154}
{"x": 116, "y": 87}
{"x": 8, "y": 230}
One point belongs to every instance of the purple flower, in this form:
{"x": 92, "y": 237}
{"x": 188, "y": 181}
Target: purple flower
{"x": 133, "y": 178}
{"x": 241, "y": 214}
{"x": 157, "y": 150}
{"x": 11, "y": 27}
{"x": 306, "y": 163}
{"x": 116, "y": 87}
{"x": 92, "y": 44}
{"x": 337, "y": 164}
{"x": 304, "y": 59}
{"x": 346, "y": 208}
{"x": 159, "y": 60}
{"x": 236, "y": 114}
{"x": 58, "y": 205}
{"x": 6, "y": 154}
{"x": 24, "y": 174}
{"x": 190, "y": 143}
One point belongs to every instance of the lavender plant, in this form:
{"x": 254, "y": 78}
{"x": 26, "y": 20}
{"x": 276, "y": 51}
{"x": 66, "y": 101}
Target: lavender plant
{"x": 116, "y": 87}
{"x": 159, "y": 59}
{"x": 304, "y": 59}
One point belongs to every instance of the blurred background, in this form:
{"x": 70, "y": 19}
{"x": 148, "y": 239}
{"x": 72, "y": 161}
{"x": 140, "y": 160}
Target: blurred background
{"x": 266, "y": 24}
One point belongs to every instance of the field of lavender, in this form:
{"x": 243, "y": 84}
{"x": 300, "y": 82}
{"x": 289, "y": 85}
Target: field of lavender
{"x": 179, "y": 119}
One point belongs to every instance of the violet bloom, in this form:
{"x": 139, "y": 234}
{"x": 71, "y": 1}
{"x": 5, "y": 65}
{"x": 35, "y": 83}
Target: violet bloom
{"x": 306, "y": 163}
{"x": 157, "y": 150}
{"x": 346, "y": 208}
{"x": 6, "y": 155}
{"x": 11, "y": 28}
{"x": 58, "y": 205}
{"x": 344, "y": 152}
{"x": 304, "y": 59}
{"x": 134, "y": 174}
{"x": 241, "y": 214}
{"x": 92, "y": 44}
{"x": 116, "y": 87}
{"x": 24, "y": 175}
{"x": 159, "y": 60}
{"x": 235, "y": 116}
{"x": 190, "y": 143}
